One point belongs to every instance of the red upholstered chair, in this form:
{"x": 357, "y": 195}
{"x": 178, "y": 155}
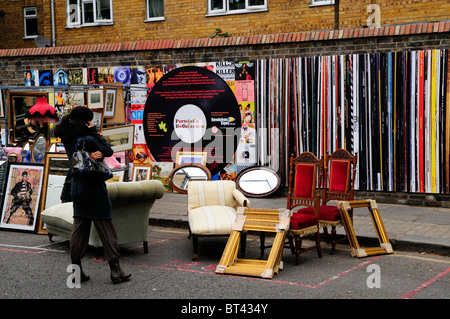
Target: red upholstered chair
{"x": 338, "y": 173}
{"x": 304, "y": 200}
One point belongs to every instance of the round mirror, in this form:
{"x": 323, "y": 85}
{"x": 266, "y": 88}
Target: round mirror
{"x": 184, "y": 173}
{"x": 258, "y": 181}
{"x": 39, "y": 148}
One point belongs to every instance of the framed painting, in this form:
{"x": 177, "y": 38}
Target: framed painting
{"x": 141, "y": 172}
{"x": 2, "y": 108}
{"x": 121, "y": 138}
{"x": 22, "y": 196}
{"x": 20, "y": 129}
{"x": 191, "y": 157}
{"x": 110, "y": 102}
{"x": 98, "y": 119}
{"x": 118, "y": 176}
{"x": 95, "y": 98}
{"x": 56, "y": 168}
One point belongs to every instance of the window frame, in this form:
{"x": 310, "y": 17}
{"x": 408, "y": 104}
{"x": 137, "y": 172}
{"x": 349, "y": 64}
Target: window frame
{"x": 79, "y": 16}
{"x": 29, "y": 17}
{"x": 225, "y": 10}
{"x": 147, "y": 13}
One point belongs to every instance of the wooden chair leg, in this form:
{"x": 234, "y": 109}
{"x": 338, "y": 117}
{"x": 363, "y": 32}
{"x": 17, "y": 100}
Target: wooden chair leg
{"x": 145, "y": 246}
{"x": 195, "y": 244}
{"x": 319, "y": 248}
{"x": 326, "y": 235}
{"x": 333, "y": 239}
{"x": 291, "y": 244}
{"x": 298, "y": 248}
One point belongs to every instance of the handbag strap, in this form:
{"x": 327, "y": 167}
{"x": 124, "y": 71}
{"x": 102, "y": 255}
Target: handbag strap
{"x": 79, "y": 141}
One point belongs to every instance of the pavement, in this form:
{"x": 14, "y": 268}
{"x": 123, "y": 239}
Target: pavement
{"x": 409, "y": 228}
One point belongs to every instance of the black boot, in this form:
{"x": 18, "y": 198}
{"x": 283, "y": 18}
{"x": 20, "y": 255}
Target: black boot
{"x": 117, "y": 275}
{"x": 83, "y": 276}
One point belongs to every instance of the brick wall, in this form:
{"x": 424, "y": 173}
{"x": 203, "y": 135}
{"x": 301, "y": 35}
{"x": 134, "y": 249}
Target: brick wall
{"x": 12, "y": 27}
{"x": 187, "y": 20}
{"x": 359, "y": 40}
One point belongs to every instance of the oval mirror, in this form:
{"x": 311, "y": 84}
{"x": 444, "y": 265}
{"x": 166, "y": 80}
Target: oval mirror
{"x": 258, "y": 181}
{"x": 39, "y": 148}
{"x": 184, "y": 173}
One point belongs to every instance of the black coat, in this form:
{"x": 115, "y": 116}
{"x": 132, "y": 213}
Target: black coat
{"x": 90, "y": 196}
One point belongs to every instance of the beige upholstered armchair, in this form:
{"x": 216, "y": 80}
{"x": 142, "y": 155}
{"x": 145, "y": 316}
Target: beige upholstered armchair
{"x": 212, "y": 209}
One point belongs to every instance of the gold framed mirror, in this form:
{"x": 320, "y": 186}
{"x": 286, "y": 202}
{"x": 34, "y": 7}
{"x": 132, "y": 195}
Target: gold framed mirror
{"x": 20, "y": 130}
{"x": 184, "y": 173}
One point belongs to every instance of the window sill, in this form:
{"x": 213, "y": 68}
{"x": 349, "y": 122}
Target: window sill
{"x": 313, "y": 5}
{"x": 89, "y": 25}
{"x": 30, "y": 37}
{"x": 155, "y": 19}
{"x": 213, "y": 14}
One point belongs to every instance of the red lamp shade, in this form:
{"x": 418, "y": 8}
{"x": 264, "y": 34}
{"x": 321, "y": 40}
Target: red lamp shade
{"x": 41, "y": 112}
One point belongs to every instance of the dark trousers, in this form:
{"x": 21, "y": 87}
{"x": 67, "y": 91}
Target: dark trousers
{"x": 79, "y": 238}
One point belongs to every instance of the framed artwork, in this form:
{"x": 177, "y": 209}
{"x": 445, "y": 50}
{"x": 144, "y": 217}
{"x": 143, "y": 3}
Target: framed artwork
{"x": 56, "y": 168}
{"x": 4, "y": 163}
{"x": 121, "y": 138}
{"x": 191, "y": 157}
{"x": 95, "y": 98}
{"x": 2, "y": 108}
{"x": 141, "y": 172}
{"x": 98, "y": 119}
{"x": 161, "y": 171}
{"x": 356, "y": 250}
{"x": 22, "y": 196}
{"x": 118, "y": 176}
{"x": 20, "y": 129}
{"x": 110, "y": 102}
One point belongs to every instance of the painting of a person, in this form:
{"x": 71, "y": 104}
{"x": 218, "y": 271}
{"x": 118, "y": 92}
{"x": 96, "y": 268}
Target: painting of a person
{"x": 21, "y": 193}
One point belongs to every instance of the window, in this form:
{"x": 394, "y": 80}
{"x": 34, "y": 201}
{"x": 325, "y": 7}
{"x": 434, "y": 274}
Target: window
{"x": 89, "y": 12}
{"x": 30, "y": 24}
{"x": 235, "y": 6}
{"x": 321, "y": 2}
{"x": 155, "y": 10}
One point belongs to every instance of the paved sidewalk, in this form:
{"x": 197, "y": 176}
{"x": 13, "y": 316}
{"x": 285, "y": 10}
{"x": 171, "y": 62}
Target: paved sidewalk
{"x": 413, "y": 228}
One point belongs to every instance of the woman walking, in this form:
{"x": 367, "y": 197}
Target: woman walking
{"x": 90, "y": 197}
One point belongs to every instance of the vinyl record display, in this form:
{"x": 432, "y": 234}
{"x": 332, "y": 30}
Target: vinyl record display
{"x": 191, "y": 109}
{"x": 122, "y": 74}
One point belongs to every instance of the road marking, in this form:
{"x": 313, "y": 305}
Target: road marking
{"x": 425, "y": 284}
{"x": 31, "y": 248}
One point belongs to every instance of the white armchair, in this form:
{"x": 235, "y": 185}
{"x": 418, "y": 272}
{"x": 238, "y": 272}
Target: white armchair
{"x": 212, "y": 209}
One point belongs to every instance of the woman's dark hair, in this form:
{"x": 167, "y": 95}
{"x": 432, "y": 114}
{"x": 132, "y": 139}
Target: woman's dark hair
{"x": 75, "y": 121}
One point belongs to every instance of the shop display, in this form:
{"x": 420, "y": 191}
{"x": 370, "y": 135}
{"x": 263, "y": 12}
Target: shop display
{"x": 391, "y": 109}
